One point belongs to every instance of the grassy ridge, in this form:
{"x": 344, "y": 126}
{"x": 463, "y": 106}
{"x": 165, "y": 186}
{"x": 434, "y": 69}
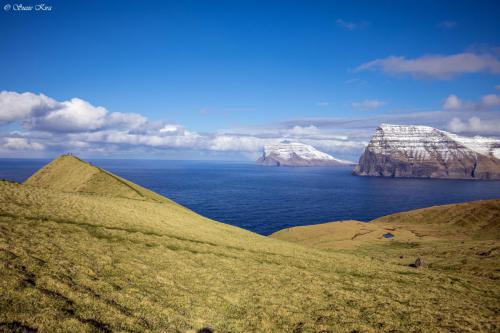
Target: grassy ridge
{"x": 68, "y": 173}
{"x": 77, "y": 260}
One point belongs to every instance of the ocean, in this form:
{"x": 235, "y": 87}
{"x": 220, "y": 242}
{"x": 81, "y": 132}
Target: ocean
{"x": 267, "y": 199}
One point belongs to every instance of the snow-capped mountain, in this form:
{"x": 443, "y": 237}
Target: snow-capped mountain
{"x": 423, "y": 151}
{"x": 288, "y": 153}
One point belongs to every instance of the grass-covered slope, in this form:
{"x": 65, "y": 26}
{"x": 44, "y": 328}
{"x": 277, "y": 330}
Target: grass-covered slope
{"x": 458, "y": 239}
{"x": 479, "y": 220}
{"x": 98, "y": 261}
{"x": 68, "y": 173}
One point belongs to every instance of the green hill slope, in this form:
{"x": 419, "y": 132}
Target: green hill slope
{"x": 79, "y": 258}
{"x": 459, "y": 238}
{"x": 479, "y": 220}
{"x": 68, "y": 173}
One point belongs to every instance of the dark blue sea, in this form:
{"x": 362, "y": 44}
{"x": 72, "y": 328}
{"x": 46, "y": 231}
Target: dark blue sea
{"x": 267, "y": 199}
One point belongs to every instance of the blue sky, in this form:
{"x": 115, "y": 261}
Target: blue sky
{"x": 228, "y": 75}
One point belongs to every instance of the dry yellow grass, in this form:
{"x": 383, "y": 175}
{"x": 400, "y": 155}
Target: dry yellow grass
{"x": 88, "y": 260}
{"x": 478, "y": 220}
{"x": 342, "y": 234}
{"x": 459, "y": 238}
{"x": 68, "y": 173}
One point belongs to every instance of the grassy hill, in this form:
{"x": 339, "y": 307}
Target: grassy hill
{"x": 83, "y": 250}
{"x": 478, "y": 220}
{"x": 459, "y": 238}
{"x": 68, "y": 173}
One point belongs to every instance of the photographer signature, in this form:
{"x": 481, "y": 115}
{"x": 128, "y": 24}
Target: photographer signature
{"x": 27, "y": 8}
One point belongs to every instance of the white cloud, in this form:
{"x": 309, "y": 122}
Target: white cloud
{"x": 370, "y": 104}
{"x": 171, "y": 129}
{"x": 322, "y": 104}
{"x": 126, "y": 120}
{"x": 74, "y": 115}
{"x": 289, "y": 130}
{"x": 475, "y": 125}
{"x": 302, "y": 130}
{"x": 452, "y": 102}
{"x": 436, "y": 66}
{"x": 239, "y": 143}
{"x": 15, "y": 106}
{"x": 216, "y": 142}
{"x": 333, "y": 145}
{"x": 155, "y": 139}
{"x": 19, "y": 143}
{"x": 490, "y": 101}
{"x": 42, "y": 113}
{"x": 456, "y": 125}
{"x": 352, "y": 25}
{"x": 486, "y": 102}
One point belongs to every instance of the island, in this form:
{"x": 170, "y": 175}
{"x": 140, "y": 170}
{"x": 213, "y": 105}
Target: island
{"x": 427, "y": 152}
{"x": 288, "y": 153}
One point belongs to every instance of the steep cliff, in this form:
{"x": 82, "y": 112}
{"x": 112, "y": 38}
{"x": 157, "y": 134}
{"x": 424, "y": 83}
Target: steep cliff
{"x": 422, "y": 151}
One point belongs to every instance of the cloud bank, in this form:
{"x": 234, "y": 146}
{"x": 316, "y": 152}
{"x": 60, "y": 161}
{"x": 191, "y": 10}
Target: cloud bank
{"x": 38, "y": 125}
{"x": 76, "y": 125}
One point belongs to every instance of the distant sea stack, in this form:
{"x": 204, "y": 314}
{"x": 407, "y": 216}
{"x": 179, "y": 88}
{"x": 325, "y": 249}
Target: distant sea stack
{"x": 426, "y": 152}
{"x": 297, "y": 154}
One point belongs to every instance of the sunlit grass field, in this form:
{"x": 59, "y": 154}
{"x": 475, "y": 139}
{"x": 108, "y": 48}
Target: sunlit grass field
{"x": 83, "y": 250}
